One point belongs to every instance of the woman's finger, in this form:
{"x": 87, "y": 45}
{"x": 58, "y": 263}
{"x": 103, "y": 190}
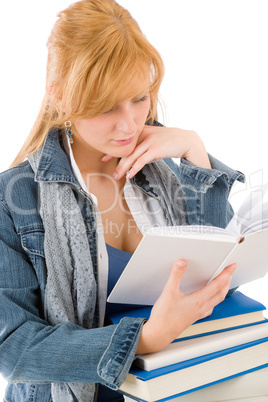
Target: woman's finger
{"x": 140, "y": 163}
{"x": 107, "y": 158}
{"x": 207, "y": 313}
{"x": 225, "y": 275}
{"x": 218, "y": 287}
{"x": 175, "y": 277}
{"x": 214, "y": 292}
{"x": 126, "y": 163}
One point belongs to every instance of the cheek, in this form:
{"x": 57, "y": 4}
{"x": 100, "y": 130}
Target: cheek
{"x": 90, "y": 130}
{"x": 143, "y": 113}
{"x": 82, "y": 127}
{"x": 147, "y": 108}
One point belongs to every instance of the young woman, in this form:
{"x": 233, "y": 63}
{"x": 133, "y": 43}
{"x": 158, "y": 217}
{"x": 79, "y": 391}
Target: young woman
{"x": 93, "y": 175}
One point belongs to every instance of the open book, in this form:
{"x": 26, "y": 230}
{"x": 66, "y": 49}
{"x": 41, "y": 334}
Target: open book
{"x": 207, "y": 250}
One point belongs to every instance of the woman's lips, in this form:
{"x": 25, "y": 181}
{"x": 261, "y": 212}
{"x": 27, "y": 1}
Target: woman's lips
{"x": 124, "y": 142}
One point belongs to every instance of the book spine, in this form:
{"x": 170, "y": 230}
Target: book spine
{"x": 223, "y": 264}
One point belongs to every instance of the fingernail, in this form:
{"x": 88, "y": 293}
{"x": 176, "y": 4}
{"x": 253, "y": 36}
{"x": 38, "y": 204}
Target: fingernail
{"x": 181, "y": 263}
{"x": 103, "y": 159}
{"x": 128, "y": 175}
{"x": 115, "y": 175}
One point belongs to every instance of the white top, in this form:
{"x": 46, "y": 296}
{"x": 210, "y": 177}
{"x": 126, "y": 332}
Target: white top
{"x": 146, "y": 212}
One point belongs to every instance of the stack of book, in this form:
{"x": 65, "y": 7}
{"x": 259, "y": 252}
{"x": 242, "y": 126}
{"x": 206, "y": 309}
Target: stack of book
{"x": 223, "y": 357}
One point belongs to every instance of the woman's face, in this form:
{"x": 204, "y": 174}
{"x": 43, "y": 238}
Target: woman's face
{"x": 117, "y": 131}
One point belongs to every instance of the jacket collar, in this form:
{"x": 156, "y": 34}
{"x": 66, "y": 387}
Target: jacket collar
{"x": 54, "y": 163}
{"x": 55, "y": 166}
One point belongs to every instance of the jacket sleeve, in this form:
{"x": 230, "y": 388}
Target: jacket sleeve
{"x": 33, "y": 351}
{"x": 207, "y": 191}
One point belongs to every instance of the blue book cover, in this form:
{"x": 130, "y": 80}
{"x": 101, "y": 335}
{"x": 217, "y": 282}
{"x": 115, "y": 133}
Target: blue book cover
{"x": 170, "y": 398}
{"x": 236, "y": 304}
{"x": 143, "y": 375}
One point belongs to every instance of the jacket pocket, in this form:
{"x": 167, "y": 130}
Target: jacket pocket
{"x": 32, "y": 241}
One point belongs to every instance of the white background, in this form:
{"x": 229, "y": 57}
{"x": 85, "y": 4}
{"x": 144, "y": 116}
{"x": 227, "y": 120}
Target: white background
{"x": 216, "y": 81}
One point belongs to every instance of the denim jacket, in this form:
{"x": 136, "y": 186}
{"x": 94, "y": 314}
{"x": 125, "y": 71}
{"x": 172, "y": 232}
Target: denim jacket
{"x": 32, "y": 353}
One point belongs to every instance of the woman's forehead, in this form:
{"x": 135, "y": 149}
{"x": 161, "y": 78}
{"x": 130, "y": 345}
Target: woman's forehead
{"x": 134, "y": 88}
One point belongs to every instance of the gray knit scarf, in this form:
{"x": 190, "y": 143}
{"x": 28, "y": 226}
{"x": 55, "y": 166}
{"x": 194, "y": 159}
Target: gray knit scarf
{"x": 68, "y": 297}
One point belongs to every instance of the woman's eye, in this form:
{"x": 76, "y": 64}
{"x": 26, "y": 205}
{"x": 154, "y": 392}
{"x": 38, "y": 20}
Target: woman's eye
{"x": 144, "y": 98}
{"x": 108, "y": 111}
{"x": 135, "y": 100}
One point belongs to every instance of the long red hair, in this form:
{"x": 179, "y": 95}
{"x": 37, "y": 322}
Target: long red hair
{"x": 97, "y": 57}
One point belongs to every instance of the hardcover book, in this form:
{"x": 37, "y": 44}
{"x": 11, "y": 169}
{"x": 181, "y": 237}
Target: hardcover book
{"x": 207, "y": 250}
{"x": 235, "y": 311}
{"x": 192, "y": 375}
{"x": 251, "y": 387}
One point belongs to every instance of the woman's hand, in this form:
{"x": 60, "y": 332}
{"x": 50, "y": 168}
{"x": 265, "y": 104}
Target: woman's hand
{"x": 174, "y": 311}
{"x": 162, "y": 142}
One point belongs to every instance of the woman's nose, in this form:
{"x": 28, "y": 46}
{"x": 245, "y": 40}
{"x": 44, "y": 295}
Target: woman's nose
{"x": 126, "y": 123}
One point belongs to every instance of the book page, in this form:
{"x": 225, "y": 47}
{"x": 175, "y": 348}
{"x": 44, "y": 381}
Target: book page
{"x": 252, "y": 215}
{"x": 193, "y": 232}
{"x": 252, "y": 258}
{"x": 149, "y": 268}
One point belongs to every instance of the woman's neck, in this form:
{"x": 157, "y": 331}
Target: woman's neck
{"x": 89, "y": 160}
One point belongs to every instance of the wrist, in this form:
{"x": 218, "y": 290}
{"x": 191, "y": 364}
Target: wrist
{"x": 152, "y": 339}
{"x": 196, "y": 152}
